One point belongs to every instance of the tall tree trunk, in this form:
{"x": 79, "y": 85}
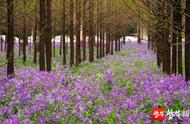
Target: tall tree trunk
{"x": 84, "y": 31}
{"x": 174, "y": 53}
{"x": 187, "y": 41}
{"x": 42, "y": 35}
{"x": 84, "y": 45}
{"x": 30, "y": 44}
{"x": 10, "y": 38}
{"x": 124, "y": 42}
{"x": 179, "y": 33}
{"x": 78, "y": 15}
{"x": 34, "y": 40}
{"x": 97, "y": 45}
{"x": 177, "y": 25}
{"x": 71, "y": 32}
{"x": 97, "y": 31}
{"x": 54, "y": 47}
{"x": 159, "y": 50}
{"x": 107, "y": 43}
{"x": 103, "y": 43}
{"x": 25, "y": 37}
{"x": 19, "y": 45}
{"x": 101, "y": 28}
{"x": 116, "y": 44}
{"x": 149, "y": 38}
{"x": 60, "y": 46}
{"x": 111, "y": 46}
{"x": 91, "y": 33}
{"x": 166, "y": 52}
{"x": 119, "y": 44}
{"x": 138, "y": 34}
{"x": 1, "y": 43}
{"x": 64, "y": 32}
{"x": 5, "y": 44}
{"x": 48, "y": 35}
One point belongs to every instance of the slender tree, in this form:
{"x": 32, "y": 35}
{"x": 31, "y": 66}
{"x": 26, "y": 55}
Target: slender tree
{"x": 71, "y": 32}
{"x": 138, "y": 34}
{"x": 42, "y": 30}
{"x": 97, "y": 30}
{"x": 64, "y": 32}
{"x": 19, "y": 49}
{"x": 48, "y": 35}
{"x": 78, "y": 22}
{"x": 116, "y": 44}
{"x": 34, "y": 40}
{"x": 1, "y": 38}
{"x": 187, "y": 41}
{"x": 84, "y": 29}
{"x": 25, "y": 37}
{"x": 10, "y": 38}
{"x": 91, "y": 32}
{"x": 112, "y": 44}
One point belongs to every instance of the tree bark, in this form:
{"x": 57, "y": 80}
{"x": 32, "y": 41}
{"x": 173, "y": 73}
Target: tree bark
{"x": 119, "y": 44}
{"x": 64, "y": 32}
{"x": 1, "y": 43}
{"x": 187, "y": 41}
{"x": 5, "y": 44}
{"x": 10, "y": 38}
{"x": 34, "y": 40}
{"x": 25, "y": 37}
{"x": 116, "y": 44}
{"x": 48, "y": 35}
{"x": 179, "y": 34}
{"x": 91, "y": 32}
{"x": 138, "y": 34}
{"x": 124, "y": 42}
{"x": 103, "y": 43}
{"x": 111, "y": 46}
{"x": 19, "y": 49}
{"x": 97, "y": 31}
{"x": 42, "y": 35}
{"x": 78, "y": 22}
{"x": 176, "y": 6}
{"x": 84, "y": 32}
{"x": 60, "y": 46}
{"x": 54, "y": 54}
{"x": 159, "y": 50}
{"x": 71, "y": 32}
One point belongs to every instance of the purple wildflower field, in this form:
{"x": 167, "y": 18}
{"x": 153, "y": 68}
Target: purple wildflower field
{"x": 122, "y": 88}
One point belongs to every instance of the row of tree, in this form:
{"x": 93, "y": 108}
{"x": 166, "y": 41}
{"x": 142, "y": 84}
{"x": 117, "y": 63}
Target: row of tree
{"x": 92, "y": 24}
{"x": 168, "y": 23}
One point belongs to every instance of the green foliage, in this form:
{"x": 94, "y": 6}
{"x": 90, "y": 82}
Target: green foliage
{"x": 15, "y": 109}
{"x": 110, "y": 119}
{"x": 35, "y": 117}
{"x": 106, "y": 88}
{"x": 177, "y": 106}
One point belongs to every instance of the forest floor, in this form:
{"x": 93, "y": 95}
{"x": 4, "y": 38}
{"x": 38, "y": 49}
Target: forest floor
{"x": 122, "y": 88}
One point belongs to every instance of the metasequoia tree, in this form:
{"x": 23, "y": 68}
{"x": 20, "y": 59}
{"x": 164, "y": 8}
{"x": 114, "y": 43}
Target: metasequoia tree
{"x": 91, "y": 32}
{"x": 187, "y": 41}
{"x": 71, "y": 32}
{"x": 10, "y": 38}
{"x": 78, "y": 23}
